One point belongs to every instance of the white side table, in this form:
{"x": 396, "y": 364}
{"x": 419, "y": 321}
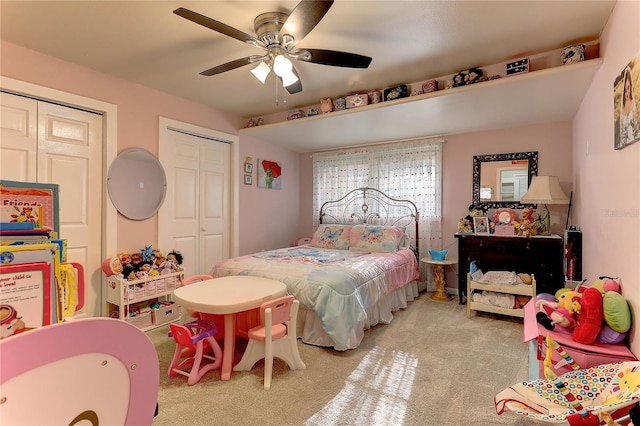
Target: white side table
{"x": 438, "y": 276}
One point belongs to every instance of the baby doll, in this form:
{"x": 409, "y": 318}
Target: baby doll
{"x": 175, "y": 257}
{"x": 145, "y": 268}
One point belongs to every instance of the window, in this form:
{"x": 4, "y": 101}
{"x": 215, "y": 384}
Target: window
{"x": 409, "y": 170}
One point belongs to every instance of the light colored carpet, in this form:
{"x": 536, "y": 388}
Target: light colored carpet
{"x": 430, "y": 366}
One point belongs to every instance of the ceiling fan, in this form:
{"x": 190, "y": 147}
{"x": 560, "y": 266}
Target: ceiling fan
{"x": 277, "y": 33}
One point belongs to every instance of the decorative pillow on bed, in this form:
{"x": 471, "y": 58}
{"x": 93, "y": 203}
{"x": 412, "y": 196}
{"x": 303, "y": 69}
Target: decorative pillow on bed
{"x": 332, "y": 237}
{"x": 377, "y": 238}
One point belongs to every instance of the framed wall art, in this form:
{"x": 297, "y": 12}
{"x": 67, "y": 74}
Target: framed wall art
{"x": 248, "y": 180}
{"x": 248, "y": 166}
{"x": 626, "y": 105}
{"x": 269, "y": 174}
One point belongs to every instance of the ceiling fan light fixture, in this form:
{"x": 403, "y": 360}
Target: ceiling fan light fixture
{"x": 289, "y": 78}
{"x": 282, "y": 66}
{"x": 261, "y": 72}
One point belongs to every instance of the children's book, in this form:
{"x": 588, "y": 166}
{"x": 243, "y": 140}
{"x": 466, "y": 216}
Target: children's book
{"x": 22, "y": 196}
{"x": 25, "y": 297}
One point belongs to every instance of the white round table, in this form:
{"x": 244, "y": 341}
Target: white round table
{"x": 228, "y": 296}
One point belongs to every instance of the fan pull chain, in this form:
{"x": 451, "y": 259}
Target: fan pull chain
{"x": 284, "y": 94}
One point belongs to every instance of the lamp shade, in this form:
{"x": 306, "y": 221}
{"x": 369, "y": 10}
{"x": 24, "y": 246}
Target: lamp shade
{"x": 545, "y": 190}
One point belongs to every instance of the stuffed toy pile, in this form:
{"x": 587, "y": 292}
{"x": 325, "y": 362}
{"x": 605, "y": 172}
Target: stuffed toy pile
{"x": 597, "y": 312}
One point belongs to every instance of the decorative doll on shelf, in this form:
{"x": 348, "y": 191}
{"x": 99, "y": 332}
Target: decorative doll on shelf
{"x": 473, "y": 76}
{"x": 457, "y": 80}
{"x": 175, "y": 257}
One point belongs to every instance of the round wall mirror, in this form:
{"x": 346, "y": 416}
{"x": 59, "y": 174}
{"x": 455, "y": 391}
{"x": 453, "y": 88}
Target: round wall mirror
{"x": 136, "y": 183}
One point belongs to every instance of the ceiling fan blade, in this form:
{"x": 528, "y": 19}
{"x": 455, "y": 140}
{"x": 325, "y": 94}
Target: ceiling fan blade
{"x": 295, "y": 87}
{"x": 336, "y": 58}
{"x": 305, "y": 17}
{"x": 228, "y": 66}
{"x": 214, "y": 25}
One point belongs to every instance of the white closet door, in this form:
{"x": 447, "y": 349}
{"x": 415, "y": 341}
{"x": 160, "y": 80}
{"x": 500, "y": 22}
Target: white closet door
{"x": 195, "y": 216}
{"x": 48, "y": 143}
{"x": 70, "y": 154}
{"x": 18, "y": 123}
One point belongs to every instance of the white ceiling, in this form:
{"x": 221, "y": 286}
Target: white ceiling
{"x": 410, "y": 41}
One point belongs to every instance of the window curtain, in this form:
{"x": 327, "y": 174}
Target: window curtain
{"x": 410, "y": 170}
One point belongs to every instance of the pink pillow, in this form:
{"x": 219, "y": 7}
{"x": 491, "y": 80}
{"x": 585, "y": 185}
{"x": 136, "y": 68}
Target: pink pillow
{"x": 331, "y": 237}
{"x": 376, "y": 238}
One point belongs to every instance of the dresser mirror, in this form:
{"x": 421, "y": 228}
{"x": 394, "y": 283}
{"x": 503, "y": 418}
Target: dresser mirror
{"x": 500, "y": 180}
{"x": 136, "y": 183}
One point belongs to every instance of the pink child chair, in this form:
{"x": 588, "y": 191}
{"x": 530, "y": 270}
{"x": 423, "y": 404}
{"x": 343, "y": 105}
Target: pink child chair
{"x": 194, "y": 341}
{"x": 274, "y": 337}
{"x": 98, "y": 370}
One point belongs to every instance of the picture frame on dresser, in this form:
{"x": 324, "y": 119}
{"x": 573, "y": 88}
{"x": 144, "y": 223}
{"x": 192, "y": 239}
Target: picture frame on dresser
{"x": 481, "y": 225}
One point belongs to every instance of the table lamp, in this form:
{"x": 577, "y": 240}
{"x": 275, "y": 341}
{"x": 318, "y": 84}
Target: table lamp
{"x": 545, "y": 190}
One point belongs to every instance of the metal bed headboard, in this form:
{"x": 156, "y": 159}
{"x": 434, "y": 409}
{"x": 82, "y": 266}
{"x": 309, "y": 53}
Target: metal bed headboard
{"x": 372, "y": 206}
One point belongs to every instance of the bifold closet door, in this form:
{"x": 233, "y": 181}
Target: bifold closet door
{"x": 48, "y": 143}
{"x": 194, "y": 218}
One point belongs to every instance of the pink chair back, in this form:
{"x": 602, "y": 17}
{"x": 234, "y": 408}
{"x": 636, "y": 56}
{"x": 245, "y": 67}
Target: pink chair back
{"x": 280, "y": 310}
{"x": 195, "y": 278}
{"x": 117, "y": 356}
{"x": 181, "y": 334}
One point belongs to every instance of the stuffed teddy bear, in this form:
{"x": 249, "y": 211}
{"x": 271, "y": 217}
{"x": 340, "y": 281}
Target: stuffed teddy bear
{"x": 466, "y": 223}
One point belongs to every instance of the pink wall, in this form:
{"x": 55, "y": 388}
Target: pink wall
{"x": 607, "y": 182}
{"x": 269, "y": 217}
{"x": 551, "y": 140}
{"x": 138, "y": 110}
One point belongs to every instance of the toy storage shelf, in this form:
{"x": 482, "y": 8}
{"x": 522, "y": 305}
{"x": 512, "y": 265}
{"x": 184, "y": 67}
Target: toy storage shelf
{"x": 120, "y": 294}
{"x": 515, "y": 289}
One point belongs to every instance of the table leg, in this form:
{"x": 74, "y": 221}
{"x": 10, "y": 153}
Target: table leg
{"x": 229, "y": 346}
{"x": 438, "y": 276}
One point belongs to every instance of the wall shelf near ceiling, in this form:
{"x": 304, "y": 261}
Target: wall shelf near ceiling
{"x": 548, "y": 95}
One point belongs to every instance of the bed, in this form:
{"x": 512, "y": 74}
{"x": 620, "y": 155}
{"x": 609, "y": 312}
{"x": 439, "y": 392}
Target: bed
{"x": 360, "y": 266}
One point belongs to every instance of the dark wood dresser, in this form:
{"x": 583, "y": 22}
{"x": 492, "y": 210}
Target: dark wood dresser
{"x": 541, "y": 256}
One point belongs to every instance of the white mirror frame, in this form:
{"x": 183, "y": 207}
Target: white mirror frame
{"x": 136, "y": 183}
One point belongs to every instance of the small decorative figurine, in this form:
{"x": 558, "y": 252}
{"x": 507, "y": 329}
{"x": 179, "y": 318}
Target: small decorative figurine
{"x": 572, "y": 54}
{"x": 340, "y": 104}
{"x": 473, "y": 76}
{"x": 326, "y": 105}
{"x": 375, "y": 97}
